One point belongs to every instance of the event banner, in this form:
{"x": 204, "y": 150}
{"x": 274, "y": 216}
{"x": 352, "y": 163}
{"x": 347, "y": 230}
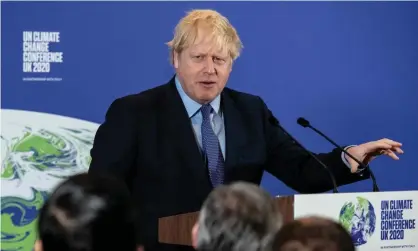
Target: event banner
{"x": 382, "y": 220}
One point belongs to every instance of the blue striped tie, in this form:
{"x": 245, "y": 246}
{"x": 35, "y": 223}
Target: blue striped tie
{"x": 212, "y": 148}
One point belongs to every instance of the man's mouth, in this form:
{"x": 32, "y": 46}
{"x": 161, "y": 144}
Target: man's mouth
{"x": 207, "y": 82}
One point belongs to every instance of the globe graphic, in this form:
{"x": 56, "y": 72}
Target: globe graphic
{"x": 359, "y": 218}
{"x": 38, "y": 151}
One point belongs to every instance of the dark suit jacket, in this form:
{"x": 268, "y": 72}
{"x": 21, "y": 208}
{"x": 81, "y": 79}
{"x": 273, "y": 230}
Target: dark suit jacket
{"x": 148, "y": 141}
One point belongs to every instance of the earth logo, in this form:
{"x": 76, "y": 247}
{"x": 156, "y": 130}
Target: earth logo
{"x": 359, "y": 218}
{"x": 38, "y": 151}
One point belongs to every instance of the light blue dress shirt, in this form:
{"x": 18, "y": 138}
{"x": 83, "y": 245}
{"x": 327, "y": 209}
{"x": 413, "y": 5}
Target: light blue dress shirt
{"x": 193, "y": 110}
{"x": 217, "y": 120}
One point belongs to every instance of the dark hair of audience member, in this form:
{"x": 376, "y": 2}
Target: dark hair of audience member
{"x": 313, "y": 234}
{"x": 88, "y": 212}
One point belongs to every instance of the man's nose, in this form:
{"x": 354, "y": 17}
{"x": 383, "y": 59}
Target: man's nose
{"x": 209, "y": 66}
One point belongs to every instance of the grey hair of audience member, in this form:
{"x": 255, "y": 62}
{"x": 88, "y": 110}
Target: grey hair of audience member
{"x": 237, "y": 217}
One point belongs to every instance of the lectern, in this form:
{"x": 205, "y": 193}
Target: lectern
{"x": 177, "y": 229}
{"x": 376, "y": 220}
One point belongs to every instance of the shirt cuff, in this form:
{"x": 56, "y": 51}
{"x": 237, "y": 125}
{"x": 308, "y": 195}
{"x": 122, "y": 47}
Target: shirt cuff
{"x": 344, "y": 158}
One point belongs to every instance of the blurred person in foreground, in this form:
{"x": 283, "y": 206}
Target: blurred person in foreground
{"x": 174, "y": 143}
{"x": 313, "y": 234}
{"x": 88, "y": 213}
{"x": 237, "y": 217}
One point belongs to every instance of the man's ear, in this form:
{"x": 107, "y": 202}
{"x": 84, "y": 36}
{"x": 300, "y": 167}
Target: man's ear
{"x": 195, "y": 231}
{"x": 38, "y": 245}
{"x": 176, "y": 59}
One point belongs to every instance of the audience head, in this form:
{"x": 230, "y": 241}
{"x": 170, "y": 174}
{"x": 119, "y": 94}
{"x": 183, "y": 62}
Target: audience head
{"x": 313, "y": 234}
{"x": 202, "y": 51}
{"x": 236, "y": 217}
{"x": 87, "y": 212}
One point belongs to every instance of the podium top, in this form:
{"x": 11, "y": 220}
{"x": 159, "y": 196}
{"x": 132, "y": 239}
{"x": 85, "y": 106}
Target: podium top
{"x": 342, "y": 207}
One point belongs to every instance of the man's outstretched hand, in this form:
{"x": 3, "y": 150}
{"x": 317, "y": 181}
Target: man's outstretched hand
{"x": 369, "y": 151}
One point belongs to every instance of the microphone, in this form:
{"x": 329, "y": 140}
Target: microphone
{"x": 331, "y": 175}
{"x": 305, "y": 123}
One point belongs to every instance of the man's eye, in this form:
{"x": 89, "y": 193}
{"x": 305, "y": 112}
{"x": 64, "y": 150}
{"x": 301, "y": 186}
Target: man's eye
{"x": 219, "y": 60}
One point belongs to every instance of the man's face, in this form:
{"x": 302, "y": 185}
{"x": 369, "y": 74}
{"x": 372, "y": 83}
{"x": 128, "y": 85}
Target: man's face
{"x": 203, "y": 68}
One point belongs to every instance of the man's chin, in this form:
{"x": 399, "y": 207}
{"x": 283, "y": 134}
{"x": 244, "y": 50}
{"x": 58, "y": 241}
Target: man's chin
{"x": 204, "y": 99}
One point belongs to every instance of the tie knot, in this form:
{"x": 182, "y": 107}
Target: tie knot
{"x": 206, "y": 110}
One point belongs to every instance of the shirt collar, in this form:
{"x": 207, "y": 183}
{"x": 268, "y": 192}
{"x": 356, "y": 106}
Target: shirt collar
{"x": 192, "y": 107}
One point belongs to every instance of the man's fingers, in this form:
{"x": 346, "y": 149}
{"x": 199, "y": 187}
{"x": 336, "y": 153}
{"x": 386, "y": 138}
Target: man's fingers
{"x": 374, "y": 146}
{"x": 383, "y": 147}
{"x": 397, "y": 150}
{"x": 391, "y": 142}
{"x": 354, "y": 167}
{"x": 391, "y": 154}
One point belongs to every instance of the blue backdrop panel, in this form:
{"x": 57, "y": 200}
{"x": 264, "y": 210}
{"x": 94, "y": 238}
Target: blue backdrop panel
{"x": 350, "y": 68}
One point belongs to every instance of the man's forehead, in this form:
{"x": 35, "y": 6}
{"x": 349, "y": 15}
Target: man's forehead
{"x": 208, "y": 46}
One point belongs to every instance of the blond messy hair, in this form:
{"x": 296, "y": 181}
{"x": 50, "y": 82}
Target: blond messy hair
{"x": 224, "y": 34}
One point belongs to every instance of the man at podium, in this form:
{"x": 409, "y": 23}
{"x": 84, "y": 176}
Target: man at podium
{"x": 174, "y": 143}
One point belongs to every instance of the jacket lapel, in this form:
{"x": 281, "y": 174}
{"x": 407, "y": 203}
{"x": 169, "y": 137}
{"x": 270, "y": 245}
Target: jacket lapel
{"x": 235, "y": 132}
{"x": 176, "y": 120}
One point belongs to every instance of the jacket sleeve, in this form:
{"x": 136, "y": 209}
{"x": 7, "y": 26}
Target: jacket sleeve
{"x": 115, "y": 145}
{"x": 290, "y": 163}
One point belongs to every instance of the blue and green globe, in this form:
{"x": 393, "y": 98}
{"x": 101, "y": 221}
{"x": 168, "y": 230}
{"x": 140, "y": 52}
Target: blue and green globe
{"x": 38, "y": 151}
{"x": 359, "y": 218}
